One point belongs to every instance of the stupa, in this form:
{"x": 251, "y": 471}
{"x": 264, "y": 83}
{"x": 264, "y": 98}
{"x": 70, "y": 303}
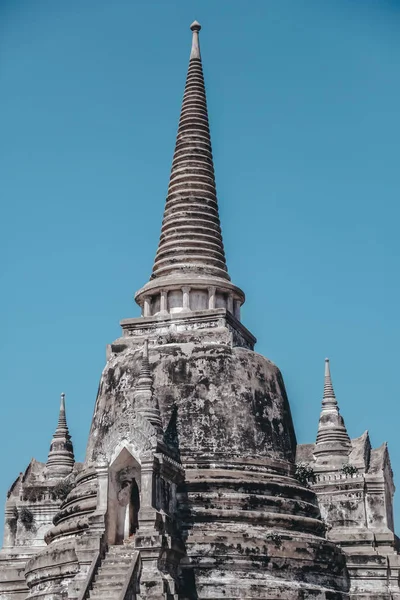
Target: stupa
{"x": 190, "y": 489}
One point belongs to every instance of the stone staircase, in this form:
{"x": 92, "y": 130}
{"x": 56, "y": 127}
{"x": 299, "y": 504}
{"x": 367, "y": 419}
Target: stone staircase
{"x": 115, "y": 578}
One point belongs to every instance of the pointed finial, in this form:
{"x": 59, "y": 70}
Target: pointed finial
{"x": 329, "y": 393}
{"x": 61, "y": 456}
{"x": 195, "y": 53}
{"x": 333, "y": 441}
{"x": 62, "y": 422}
{"x": 195, "y": 26}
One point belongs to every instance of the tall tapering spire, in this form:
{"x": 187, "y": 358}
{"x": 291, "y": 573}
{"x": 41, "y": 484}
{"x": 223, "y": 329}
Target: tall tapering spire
{"x": 61, "y": 456}
{"x": 62, "y": 419}
{"x": 332, "y": 438}
{"x": 329, "y": 394}
{"x": 191, "y": 237}
{"x": 191, "y": 251}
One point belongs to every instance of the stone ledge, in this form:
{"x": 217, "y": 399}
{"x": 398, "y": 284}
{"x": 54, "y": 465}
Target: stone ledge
{"x": 189, "y": 321}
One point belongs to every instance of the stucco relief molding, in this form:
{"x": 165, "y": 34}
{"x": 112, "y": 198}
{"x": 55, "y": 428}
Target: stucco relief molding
{"x": 140, "y": 440}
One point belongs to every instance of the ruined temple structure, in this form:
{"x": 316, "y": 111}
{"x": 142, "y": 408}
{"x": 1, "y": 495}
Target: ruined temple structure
{"x": 354, "y": 487}
{"x": 191, "y": 488}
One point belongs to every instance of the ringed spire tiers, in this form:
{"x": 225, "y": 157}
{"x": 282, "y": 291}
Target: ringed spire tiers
{"x": 61, "y": 458}
{"x": 191, "y": 252}
{"x": 332, "y": 438}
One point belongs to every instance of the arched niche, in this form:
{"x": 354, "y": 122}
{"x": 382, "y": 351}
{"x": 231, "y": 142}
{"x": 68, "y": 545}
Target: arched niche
{"x": 123, "y": 503}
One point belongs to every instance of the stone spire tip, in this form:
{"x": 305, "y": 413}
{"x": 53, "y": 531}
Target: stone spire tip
{"x": 327, "y": 368}
{"x": 62, "y": 421}
{"x": 195, "y": 52}
{"x": 333, "y": 442}
{"x": 61, "y": 459}
{"x": 328, "y": 387}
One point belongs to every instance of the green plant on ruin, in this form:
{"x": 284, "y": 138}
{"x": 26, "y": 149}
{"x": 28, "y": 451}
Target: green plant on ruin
{"x": 304, "y": 473}
{"x": 26, "y": 517}
{"x": 31, "y": 494}
{"x": 167, "y": 338}
{"x": 62, "y": 489}
{"x": 276, "y": 538}
{"x": 12, "y": 525}
{"x": 12, "y": 522}
{"x": 349, "y": 469}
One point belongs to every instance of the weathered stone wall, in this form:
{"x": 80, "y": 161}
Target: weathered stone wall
{"x": 229, "y": 401}
{"x": 33, "y": 502}
{"x": 355, "y": 497}
{"x": 248, "y": 527}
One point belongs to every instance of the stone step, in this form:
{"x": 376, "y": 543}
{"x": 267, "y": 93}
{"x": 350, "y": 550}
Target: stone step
{"x": 121, "y": 552}
{"x": 114, "y": 560}
{"x": 117, "y": 561}
{"x": 111, "y": 572}
{"x": 109, "y": 577}
{"x": 108, "y": 581}
{"x": 108, "y": 584}
{"x": 104, "y": 594}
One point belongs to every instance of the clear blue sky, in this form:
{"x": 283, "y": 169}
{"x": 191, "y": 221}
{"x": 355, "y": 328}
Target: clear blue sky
{"x": 304, "y": 103}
